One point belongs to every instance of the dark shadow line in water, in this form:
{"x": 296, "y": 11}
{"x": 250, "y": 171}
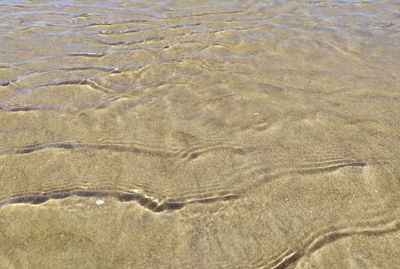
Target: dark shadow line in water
{"x": 332, "y": 162}
{"x": 87, "y": 82}
{"x": 87, "y": 54}
{"x": 330, "y": 237}
{"x": 57, "y": 57}
{"x": 149, "y": 29}
{"x": 19, "y": 108}
{"x": 331, "y": 168}
{"x": 176, "y": 26}
{"x": 207, "y": 14}
{"x": 110, "y": 23}
{"x": 68, "y": 82}
{"x": 195, "y": 151}
{"x": 139, "y": 149}
{"x": 153, "y": 204}
{"x": 69, "y": 145}
{"x": 156, "y": 39}
{"x": 114, "y": 23}
{"x": 7, "y": 82}
{"x": 91, "y": 83}
{"x": 111, "y": 70}
{"x": 275, "y": 174}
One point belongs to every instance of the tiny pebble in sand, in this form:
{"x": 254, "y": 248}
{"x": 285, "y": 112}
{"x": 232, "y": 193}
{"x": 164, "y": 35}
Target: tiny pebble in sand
{"x": 99, "y": 202}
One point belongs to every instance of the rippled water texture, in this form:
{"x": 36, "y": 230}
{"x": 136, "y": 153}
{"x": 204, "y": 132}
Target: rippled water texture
{"x": 194, "y": 134}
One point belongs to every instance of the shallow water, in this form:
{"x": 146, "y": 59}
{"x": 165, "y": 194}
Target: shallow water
{"x": 190, "y": 134}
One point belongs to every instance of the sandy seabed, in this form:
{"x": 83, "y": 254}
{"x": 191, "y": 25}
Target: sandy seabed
{"x": 243, "y": 134}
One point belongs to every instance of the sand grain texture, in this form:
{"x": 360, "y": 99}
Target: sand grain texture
{"x": 243, "y": 134}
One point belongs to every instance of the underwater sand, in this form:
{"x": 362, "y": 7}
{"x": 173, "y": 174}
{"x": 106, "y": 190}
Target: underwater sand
{"x": 191, "y": 134}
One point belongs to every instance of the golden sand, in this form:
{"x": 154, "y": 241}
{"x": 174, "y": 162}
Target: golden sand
{"x": 259, "y": 134}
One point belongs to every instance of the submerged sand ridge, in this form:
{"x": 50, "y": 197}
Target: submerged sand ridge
{"x": 225, "y": 135}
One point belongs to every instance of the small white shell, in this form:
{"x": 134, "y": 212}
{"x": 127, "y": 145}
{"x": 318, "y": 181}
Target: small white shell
{"x": 99, "y": 202}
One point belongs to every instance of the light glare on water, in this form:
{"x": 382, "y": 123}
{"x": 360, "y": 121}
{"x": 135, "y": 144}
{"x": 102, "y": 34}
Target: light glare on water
{"x": 196, "y": 134}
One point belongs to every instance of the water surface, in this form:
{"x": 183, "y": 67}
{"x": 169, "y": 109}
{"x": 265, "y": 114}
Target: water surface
{"x": 234, "y": 134}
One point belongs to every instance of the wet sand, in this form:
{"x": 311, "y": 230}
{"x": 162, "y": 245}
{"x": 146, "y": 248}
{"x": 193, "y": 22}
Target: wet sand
{"x": 259, "y": 134}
